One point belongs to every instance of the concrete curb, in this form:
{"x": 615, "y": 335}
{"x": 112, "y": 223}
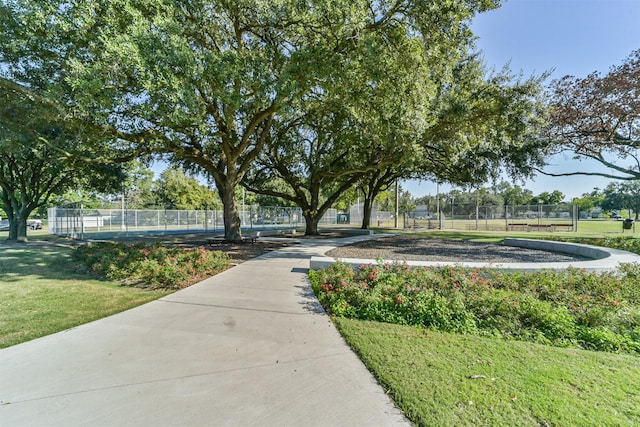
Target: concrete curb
{"x": 603, "y": 259}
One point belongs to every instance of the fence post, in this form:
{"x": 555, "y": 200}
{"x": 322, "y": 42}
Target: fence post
{"x": 81, "y": 221}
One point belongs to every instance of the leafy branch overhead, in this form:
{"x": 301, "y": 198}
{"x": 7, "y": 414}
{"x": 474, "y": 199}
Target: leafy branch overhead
{"x": 598, "y": 117}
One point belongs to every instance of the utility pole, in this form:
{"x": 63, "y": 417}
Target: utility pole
{"x": 395, "y": 222}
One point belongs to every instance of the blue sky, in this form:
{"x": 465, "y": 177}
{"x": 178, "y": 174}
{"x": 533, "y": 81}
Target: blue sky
{"x": 574, "y": 37}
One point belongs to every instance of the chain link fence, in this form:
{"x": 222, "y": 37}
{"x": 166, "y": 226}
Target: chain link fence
{"x": 560, "y": 217}
{"x": 75, "y": 221}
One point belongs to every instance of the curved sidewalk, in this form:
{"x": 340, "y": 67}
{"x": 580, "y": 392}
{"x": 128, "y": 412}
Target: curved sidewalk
{"x": 248, "y": 347}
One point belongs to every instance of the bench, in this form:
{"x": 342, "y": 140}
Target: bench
{"x": 253, "y": 237}
{"x": 517, "y": 226}
{"x": 540, "y": 227}
{"x": 286, "y": 232}
{"x": 563, "y": 227}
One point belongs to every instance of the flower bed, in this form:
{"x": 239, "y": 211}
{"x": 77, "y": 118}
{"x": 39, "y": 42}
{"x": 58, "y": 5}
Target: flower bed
{"x": 566, "y": 308}
{"x": 152, "y": 267}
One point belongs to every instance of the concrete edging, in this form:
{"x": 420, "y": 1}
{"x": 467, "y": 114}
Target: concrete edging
{"x": 603, "y": 259}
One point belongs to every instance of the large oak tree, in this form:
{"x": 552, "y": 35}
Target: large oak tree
{"x": 364, "y": 122}
{"x": 480, "y": 124}
{"x": 205, "y": 80}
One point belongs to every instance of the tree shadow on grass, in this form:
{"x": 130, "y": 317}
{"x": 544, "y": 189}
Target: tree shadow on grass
{"x": 47, "y": 262}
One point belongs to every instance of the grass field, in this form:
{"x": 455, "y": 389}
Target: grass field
{"x": 584, "y": 227}
{"x": 40, "y": 294}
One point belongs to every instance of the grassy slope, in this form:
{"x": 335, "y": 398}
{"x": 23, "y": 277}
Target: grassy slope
{"x": 429, "y": 375}
{"x": 40, "y": 294}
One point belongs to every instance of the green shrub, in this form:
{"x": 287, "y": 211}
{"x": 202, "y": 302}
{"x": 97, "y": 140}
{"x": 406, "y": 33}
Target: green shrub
{"x": 153, "y": 267}
{"x": 568, "y": 308}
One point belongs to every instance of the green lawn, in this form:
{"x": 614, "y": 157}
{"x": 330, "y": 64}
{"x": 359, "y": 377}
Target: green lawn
{"x": 595, "y": 228}
{"x": 586, "y": 227}
{"x": 443, "y": 379}
{"x": 41, "y": 294}
{"x": 436, "y": 378}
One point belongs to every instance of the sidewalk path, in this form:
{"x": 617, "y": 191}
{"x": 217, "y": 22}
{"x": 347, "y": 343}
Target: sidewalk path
{"x": 248, "y": 347}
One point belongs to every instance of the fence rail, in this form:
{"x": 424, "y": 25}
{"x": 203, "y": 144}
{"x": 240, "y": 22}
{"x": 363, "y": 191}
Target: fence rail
{"x": 77, "y": 221}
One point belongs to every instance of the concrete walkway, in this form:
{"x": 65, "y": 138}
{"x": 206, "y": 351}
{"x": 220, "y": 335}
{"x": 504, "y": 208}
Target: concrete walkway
{"x": 248, "y": 347}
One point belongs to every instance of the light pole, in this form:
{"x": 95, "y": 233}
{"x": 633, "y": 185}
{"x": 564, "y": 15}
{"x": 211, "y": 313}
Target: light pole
{"x": 123, "y": 226}
{"x": 453, "y": 201}
{"x": 397, "y": 212}
{"x": 539, "y": 213}
{"x": 438, "y": 205}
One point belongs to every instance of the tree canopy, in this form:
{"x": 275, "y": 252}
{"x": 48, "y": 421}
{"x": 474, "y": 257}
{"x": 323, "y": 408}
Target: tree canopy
{"x": 205, "y": 81}
{"x": 319, "y": 95}
{"x": 42, "y": 155}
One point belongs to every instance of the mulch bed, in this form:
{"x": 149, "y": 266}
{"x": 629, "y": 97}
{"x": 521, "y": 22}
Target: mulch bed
{"x": 411, "y": 248}
{"x": 238, "y": 252}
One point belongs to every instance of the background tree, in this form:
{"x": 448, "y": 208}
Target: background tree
{"x": 546, "y": 198}
{"x": 598, "y": 117}
{"x": 486, "y": 197}
{"x": 625, "y": 195}
{"x": 588, "y": 201}
{"x": 176, "y": 190}
{"x": 406, "y": 203}
{"x": 513, "y": 194}
{"x": 138, "y": 186}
